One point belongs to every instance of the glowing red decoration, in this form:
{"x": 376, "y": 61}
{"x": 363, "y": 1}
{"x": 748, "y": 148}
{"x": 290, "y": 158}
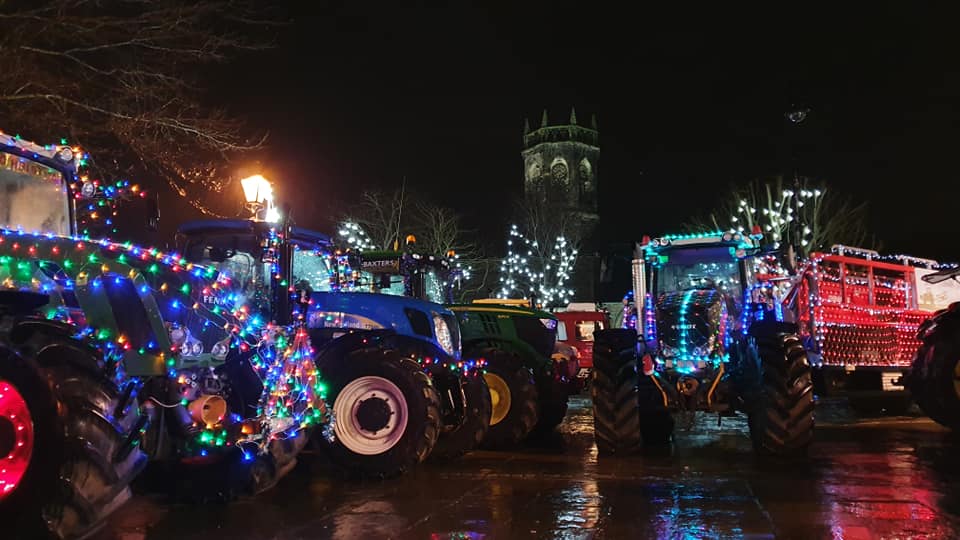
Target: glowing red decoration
{"x": 861, "y": 312}
{"x": 16, "y": 438}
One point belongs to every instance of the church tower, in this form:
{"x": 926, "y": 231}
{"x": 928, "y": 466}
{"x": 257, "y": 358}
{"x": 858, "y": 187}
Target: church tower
{"x": 562, "y": 163}
{"x": 561, "y": 171}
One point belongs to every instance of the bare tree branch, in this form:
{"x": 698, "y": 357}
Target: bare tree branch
{"x": 125, "y": 80}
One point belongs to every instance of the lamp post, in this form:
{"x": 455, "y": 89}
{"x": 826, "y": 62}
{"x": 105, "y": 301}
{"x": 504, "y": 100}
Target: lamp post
{"x": 258, "y": 195}
{"x": 796, "y": 115}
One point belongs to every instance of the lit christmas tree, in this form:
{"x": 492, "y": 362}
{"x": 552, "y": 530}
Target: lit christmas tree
{"x": 355, "y": 237}
{"x": 531, "y": 272}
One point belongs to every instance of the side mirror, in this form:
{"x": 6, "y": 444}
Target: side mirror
{"x": 153, "y": 214}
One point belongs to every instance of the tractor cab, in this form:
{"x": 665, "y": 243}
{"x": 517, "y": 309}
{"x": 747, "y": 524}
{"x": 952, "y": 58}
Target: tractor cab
{"x": 696, "y": 290}
{"x": 41, "y": 191}
{"x": 36, "y": 186}
{"x": 269, "y": 265}
{"x": 261, "y": 266}
{"x": 407, "y": 273}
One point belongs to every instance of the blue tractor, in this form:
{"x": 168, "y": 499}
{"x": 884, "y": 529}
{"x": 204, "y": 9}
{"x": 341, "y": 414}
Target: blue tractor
{"x": 392, "y": 364}
{"x": 711, "y": 335}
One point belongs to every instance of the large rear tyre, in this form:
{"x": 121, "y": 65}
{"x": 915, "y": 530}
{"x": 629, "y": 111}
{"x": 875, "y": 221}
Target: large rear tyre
{"x": 386, "y": 414}
{"x": 470, "y": 434}
{"x": 936, "y": 379}
{"x": 781, "y": 407}
{"x": 72, "y": 433}
{"x": 628, "y": 408}
{"x": 513, "y": 397}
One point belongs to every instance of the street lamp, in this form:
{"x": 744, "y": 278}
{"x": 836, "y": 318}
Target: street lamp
{"x": 258, "y": 193}
{"x": 796, "y": 115}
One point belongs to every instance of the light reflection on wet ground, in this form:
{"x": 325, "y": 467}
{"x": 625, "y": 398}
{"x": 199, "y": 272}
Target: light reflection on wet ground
{"x": 877, "y": 478}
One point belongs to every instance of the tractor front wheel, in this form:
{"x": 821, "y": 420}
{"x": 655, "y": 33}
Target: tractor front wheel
{"x": 468, "y": 435}
{"x": 513, "y": 398}
{"x": 781, "y": 403}
{"x": 628, "y": 408}
{"x": 386, "y": 414}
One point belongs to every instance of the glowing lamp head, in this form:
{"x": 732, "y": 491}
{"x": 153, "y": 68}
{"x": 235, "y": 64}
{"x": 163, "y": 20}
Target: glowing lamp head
{"x": 756, "y": 232}
{"x": 451, "y": 253}
{"x": 256, "y": 189}
{"x": 411, "y": 240}
{"x": 645, "y": 240}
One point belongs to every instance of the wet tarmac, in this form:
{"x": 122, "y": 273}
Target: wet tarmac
{"x": 894, "y": 477}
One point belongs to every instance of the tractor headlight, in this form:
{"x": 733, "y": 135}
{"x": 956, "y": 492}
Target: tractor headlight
{"x": 65, "y": 154}
{"x": 220, "y": 350}
{"x": 442, "y": 331}
{"x": 551, "y": 324}
{"x": 178, "y": 335}
{"x": 196, "y": 348}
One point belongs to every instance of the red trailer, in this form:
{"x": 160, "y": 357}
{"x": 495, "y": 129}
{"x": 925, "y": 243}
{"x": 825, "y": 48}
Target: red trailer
{"x": 859, "y": 313}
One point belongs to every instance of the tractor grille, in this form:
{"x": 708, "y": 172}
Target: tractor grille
{"x": 489, "y": 322}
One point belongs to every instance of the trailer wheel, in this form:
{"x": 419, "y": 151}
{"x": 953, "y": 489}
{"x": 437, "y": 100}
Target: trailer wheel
{"x": 781, "y": 403}
{"x": 71, "y": 434}
{"x": 470, "y": 434}
{"x": 386, "y": 414}
{"x": 513, "y": 397}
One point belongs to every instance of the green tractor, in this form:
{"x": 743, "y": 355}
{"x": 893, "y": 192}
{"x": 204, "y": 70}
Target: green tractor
{"x": 113, "y": 355}
{"x": 528, "y": 376}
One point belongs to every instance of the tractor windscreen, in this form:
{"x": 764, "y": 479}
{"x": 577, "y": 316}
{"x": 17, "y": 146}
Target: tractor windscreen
{"x": 239, "y": 257}
{"x": 311, "y": 271}
{"x": 433, "y": 287}
{"x": 699, "y": 268}
{"x": 33, "y": 197}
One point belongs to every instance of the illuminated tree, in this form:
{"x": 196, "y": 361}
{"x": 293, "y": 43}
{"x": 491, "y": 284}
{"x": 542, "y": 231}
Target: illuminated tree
{"x": 537, "y": 272}
{"x": 813, "y": 218}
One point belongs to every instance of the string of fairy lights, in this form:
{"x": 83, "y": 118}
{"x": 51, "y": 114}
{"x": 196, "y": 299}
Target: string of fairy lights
{"x": 169, "y": 288}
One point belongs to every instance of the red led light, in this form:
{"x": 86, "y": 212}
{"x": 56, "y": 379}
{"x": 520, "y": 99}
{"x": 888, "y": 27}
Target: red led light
{"x": 16, "y": 438}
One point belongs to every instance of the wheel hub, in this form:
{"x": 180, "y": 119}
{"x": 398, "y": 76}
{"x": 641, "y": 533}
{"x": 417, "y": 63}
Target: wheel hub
{"x": 500, "y": 397}
{"x": 373, "y": 414}
{"x": 16, "y": 437}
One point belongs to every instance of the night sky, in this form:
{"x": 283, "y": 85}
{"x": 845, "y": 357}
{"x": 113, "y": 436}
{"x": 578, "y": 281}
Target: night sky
{"x": 360, "y": 97}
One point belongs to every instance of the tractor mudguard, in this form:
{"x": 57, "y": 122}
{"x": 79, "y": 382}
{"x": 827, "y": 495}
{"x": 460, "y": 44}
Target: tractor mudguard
{"x": 332, "y": 345}
{"x": 23, "y": 329}
{"x": 945, "y": 320}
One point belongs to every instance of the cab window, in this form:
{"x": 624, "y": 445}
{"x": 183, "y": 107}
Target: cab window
{"x": 586, "y": 329}
{"x": 311, "y": 270}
